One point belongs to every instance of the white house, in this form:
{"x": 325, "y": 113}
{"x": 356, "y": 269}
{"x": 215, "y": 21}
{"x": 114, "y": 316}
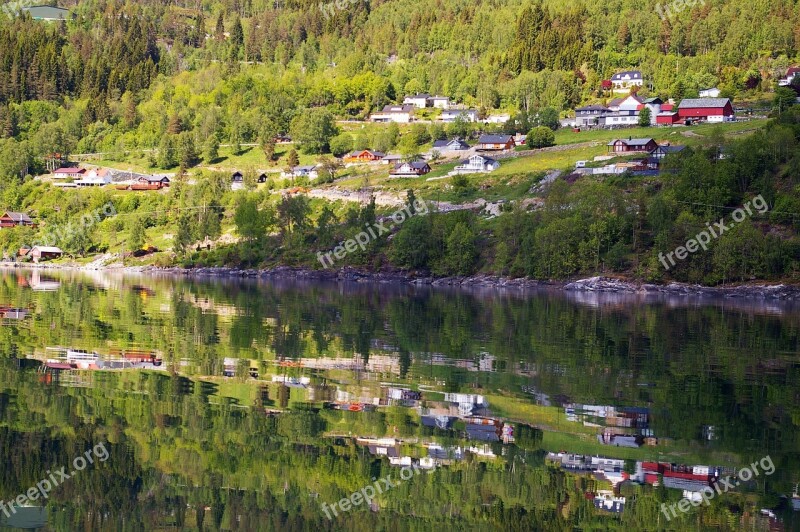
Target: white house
{"x": 787, "y": 79}
{"x": 410, "y": 169}
{"x": 654, "y": 104}
{"x": 497, "y": 119}
{"x": 96, "y": 177}
{"x": 624, "y": 81}
{"x": 302, "y": 171}
{"x": 440, "y": 102}
{"x": 392, "y": 158}
{"x": 476, "y": 164}
{"x": 68, "y": 173}
{"x": 394, "y": 113}
{"x": 450, "y": 115}
{"x": 417, "y": 100}
{"x": 450, "y": 145}
{"x": 709, "y": 93}
{"x": 623, "y": 112}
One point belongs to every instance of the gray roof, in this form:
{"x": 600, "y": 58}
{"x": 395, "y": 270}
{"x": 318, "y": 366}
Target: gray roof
{"x": 494, "y": 139}
{"x": 19, "y": 216}
{"x": 592, "y": 108}
{"x": 398, "y": 108}
{"x": 442, "y": 422}
{"x": 48, "y": 12}
{"x": 482, "y": 432}
{"x": 445, "y": 143}
{"x": 420, "y": 95}
{"x": 383, "y": 450}
{"x": 632, "y": 142}
{"x": 694, "y": 103}
{"x": 670, "y": 149}
{"x": 683, "y": 483}
{"x": 632, "y": 74}
{"x": 416, "y": 165}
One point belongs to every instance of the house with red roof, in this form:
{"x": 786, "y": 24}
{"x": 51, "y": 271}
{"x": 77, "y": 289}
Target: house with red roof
{"x": 790, "y": 74}
{"x": 68, "y": 173}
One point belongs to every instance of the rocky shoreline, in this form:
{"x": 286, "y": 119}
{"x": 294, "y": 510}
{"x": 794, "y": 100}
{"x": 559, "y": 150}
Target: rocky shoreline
{"x": 780, "y": 292}
{"x": 599, "y": 284}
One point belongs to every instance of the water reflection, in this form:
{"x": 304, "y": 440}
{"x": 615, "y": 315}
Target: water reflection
{"x": 236, "y": 399}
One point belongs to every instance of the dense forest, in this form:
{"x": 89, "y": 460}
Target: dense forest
{"x": 127, "y": 76}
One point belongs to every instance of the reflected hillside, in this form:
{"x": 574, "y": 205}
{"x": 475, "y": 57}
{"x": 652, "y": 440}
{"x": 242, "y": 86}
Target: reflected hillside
{"x": 271, "y": 398}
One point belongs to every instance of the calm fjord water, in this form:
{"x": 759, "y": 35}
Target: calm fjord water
{"x": 718, "y": 379}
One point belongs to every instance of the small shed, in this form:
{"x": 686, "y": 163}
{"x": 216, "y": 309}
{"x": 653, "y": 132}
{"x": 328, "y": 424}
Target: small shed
{"x": 40, "y": 253}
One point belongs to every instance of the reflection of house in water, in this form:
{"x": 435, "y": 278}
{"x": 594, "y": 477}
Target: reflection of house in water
{"x": 402, "y": 397}
{"x": 376, "y": 363}
{"x": 210, "y": 306}
{"x": 38, "y": 282}
{"x": 620, "y": 440}
{"x": 483, "y": 362}
{"x": 10, "y": 315}
{"x": 442, "y": 455}
{"x": 468, "y": 404}
{"x": 292, "y": 382}
{"x": 24, "y": 517}
{"x": 439, "y": 422}
{"x": 611, "y": 469}
{"x": 612, "y": 416}
{"x": 541, "y": 398}
{"x": 606, "y": 500}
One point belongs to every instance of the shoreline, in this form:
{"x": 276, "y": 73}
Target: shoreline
{"x": 596, "y": 284}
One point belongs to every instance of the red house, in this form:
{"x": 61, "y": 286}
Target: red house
{"x": 667, "y": 119}
{"x": 710, "y": 109}
{"x": 495, "y": 143}
{"x": 13, "y": 219}
{"x": 364, "y": 156}
{"x": 632, "y": 145}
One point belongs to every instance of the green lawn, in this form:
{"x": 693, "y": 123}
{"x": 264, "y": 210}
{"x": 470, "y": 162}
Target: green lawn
{"x": 567, "y": 136}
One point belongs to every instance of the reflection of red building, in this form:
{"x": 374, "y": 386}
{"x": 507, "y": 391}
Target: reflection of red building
{"x": 653, "y": 469}
{"x": 133, "y": 355}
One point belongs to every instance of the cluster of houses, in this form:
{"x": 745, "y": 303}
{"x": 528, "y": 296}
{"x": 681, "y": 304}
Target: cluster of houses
{"x": 480, "y": 429}
{"x": 690, "y": 479}
{"x": 479, "y": 162}
{"x": 36, "y": 254}
{"x": 404, "y": 113}
{"x": 652, "y": 153}
{"x": 625, "y": 111}
{"x": 619, "y": 426}
{"x": 75, "y": 177}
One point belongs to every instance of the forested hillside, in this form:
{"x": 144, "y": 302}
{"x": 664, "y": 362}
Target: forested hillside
{"x": 98, "y": 69}
{"x": 166, "y": 87}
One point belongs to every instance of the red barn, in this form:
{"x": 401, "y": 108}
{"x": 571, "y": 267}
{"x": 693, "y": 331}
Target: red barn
{"x": 667, "y": 119}
{"x": 710, "y": 109}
